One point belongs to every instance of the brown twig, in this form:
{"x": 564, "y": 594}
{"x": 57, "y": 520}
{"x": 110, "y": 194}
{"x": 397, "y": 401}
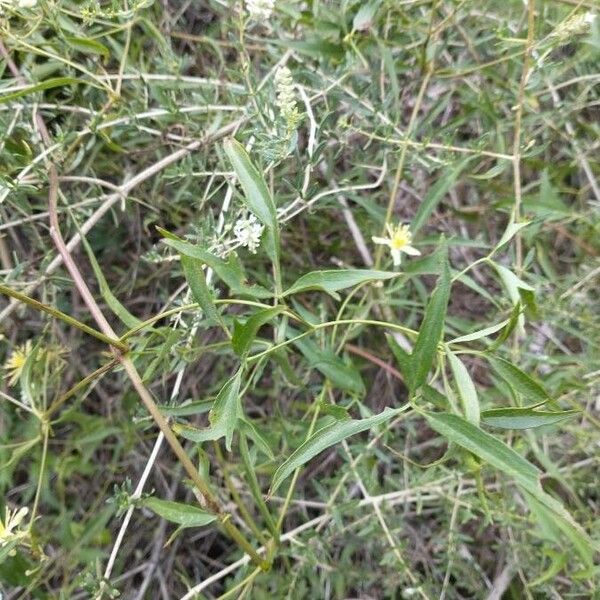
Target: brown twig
{"x": 375, "y": 360}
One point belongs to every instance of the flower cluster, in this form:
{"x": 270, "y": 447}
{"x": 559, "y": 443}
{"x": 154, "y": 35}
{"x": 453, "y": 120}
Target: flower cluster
{"x": 247, "y": 233}
{"x": 260, "y": 10}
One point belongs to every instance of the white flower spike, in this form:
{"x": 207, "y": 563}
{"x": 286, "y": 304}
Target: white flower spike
{"x": 399, "y": 240}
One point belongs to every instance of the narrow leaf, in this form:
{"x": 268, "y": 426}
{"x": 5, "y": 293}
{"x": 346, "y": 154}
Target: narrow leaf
{"x": 176, "y": 512}
{"x": 229, "y": 271}
{"x": 333, "y": 281}
{"x": 223, "y": 417}
{"x": 110, "y": 299}
{"x": 519, "y": 381}
{"x": 244, "y": 333}
{"x": 436, "y": 193}
{"x": 511, "y": 230}
{"x": 224, "y": 414}
{"x": 430, "y": 334}
{"x": 39, "y": 87}
{"x": 325, "y": 438}
{"x": 523, "y": 417}
{"x": 466, "y": 388}
{"x": 253, "y": 183}
{"x": 401, "y": 355}
{"x": 194, "y": 275}
{"x": 477, "y": 335}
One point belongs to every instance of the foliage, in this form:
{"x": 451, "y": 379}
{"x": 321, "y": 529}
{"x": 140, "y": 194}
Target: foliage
{"x": 343, "y": 332}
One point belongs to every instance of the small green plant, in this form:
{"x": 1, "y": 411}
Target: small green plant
{"x": 300, "y": 299}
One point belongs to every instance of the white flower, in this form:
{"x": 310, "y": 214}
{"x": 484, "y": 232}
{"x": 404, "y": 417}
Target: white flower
{"x": 399, "y": 241}
{"x": 260, "y": 10}
{"x": 247, "y": 233}
{"x": 9, "y": 529}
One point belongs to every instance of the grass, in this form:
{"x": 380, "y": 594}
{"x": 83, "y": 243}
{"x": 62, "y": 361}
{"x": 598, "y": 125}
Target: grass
{"x": 215, "y": 383}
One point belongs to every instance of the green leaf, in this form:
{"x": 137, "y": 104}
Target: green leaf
{"x": 254, "y": 434}
{"x": 194, "y": 275}
{"x": 466, "y": 388}
{"x": 176, "y": 512}
{"x": 523, "y": 417}
{"x": 519, "y": 381}
{"x": 316, "y": 48}
{"x": 229, "y": 271}
{"x": 401, "y": 355}
{"x": 496, "y": 453}
{"x": 335, "y": 280}
{"x": 435, "y": 194}
{"x": 363, "y": 19}
{"x": 256, "y": 193}
{"x": 477, "y": 335}
{"x": 511, "y": 282}
{"x": 325, "y": 438}
{"x": 88, "y": 45}
{"x": 253, "y": 183}
{"x": 511, "y": 230}
{"x": 39, "y": 87}
{"x": 223, "y": 417}
{"x": 244, "y": 333}
{"x": 430, "y": 334}
{"x": 110, "y": 299}
{"x": 196, "y": 407}
{"x": 341, "y": 375}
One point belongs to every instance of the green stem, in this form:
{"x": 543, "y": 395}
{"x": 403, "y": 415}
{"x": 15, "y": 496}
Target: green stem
{"x": 245, "y": 514}
{"x": 63, "y": 317}
{"x": 79, "y": 386}
{"x": 255, "y": 488}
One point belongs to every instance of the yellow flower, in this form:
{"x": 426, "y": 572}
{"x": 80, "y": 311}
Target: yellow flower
{"x": 9, "y": 529}
{"x": 16, "y": 361}
{"x": 399, "y": 241}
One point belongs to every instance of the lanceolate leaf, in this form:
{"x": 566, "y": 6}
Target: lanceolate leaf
{"x": 523, "y": 418}
{"x": 401, "y": 355}
{"x": 44, "y": 85}
{"x": 496, "y": 453}
{"x": 255, "y": 188}
{"x": 325, "y": 438}
{"x": 466, "y": 388}
{"x": 436, "y": 193}
{"x": 519, "y": 381}
{"x": 230, "y": 270}
{"x": 477, "y": 335}
{"x": 244, "y": 333}
{"x": 106, "y": 292}
{"x": 176, "y": 512}
{"x": 194, "y": 274}
{"x": 333, "y": 281}
{"x": 256, "y": 193}
{"x": 430, "y": 334}
{"x": 223, "y": 417}
{"x": 225, "y": 412}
